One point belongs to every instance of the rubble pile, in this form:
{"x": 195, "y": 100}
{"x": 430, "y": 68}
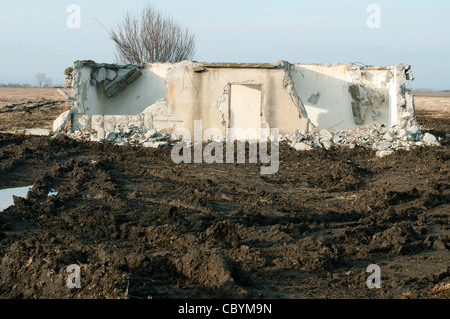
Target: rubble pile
{"x": 130, "y": 135}
{"x": 384, "y": 140}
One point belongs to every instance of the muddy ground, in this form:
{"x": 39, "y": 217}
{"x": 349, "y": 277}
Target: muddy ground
{"x": 31, "y": 107}
{"x": 140, "y": 226}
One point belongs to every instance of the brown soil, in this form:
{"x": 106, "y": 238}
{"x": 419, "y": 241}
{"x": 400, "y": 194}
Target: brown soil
{"x": 30, "y": 107}
{"x": 141, "y": 226}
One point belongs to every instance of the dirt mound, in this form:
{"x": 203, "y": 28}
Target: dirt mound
{"x": 206, "y": 268}
{"x": 340, "y": 176}
{"x": 37, "y": 268}
{"x": 223, "y": 233}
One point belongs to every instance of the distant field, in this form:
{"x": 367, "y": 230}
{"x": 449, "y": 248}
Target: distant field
{"x": 433, "y": 112}
{"x": 19, "y": 95}
{"x": 432, "y": 93}
{"x": 432, "y": 103}
{"x": 30, "y": 107}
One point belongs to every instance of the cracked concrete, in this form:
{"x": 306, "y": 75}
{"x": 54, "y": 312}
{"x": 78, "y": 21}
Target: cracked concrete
{"x": 289, "y": 86}
{"x": 294, "y": 96}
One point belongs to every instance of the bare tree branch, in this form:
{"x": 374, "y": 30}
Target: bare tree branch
{"x": 152, "y": 37}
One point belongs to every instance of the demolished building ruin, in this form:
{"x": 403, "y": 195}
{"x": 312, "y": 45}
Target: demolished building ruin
{"x": 129, "y": 103}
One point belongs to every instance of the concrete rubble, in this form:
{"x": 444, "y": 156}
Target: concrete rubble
{"x": 130, "y": 135}
{"x": 34, "y": 131}
{"x": 383, "y": 140}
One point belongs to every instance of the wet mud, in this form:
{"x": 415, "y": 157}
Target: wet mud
{"x": 140, "y": 226}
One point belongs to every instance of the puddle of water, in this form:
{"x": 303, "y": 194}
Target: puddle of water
{"x": 52, "y": 193}
{"x": 6, "y": 195}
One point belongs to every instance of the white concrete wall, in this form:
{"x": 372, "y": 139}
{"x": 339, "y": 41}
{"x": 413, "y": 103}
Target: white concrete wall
{"x": 332, "y": 109}
{"x": 145, "y": 91}
{"x": 194, "y": 92}
{"x": 204, "y": 95}
{"x": 80, "y": 90}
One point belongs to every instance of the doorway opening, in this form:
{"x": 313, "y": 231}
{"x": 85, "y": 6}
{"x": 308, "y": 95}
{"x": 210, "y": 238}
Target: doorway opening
{"x": 244, "y": 111}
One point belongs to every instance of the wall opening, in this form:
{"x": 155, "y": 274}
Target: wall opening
{"x": 245, "y": 111}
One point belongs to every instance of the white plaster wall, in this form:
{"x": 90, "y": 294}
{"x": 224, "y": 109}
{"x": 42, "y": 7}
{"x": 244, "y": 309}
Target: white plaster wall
{"x": 393, "y": 119}
{"x": 80, "y": 90}
{"x": 333, "y": 108}
{"x": 145, "y": 91}
{"x": 204, "y": 95}
{"x": 381, "y": 79}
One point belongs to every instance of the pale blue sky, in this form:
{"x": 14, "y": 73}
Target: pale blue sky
{"x": 34, "y": 36}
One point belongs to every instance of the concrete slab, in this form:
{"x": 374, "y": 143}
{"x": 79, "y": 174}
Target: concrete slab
{"x": 148, "y": 121}
{"x": 97, "y": 122}
{"x": 121, "y": 122}
{"x": 82, "y": 122}
{"x": 34, "y": 131}
{"x": 137, "y": 120}
{"x": 109, "y": 123}
{"x": 61, "y": 121}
